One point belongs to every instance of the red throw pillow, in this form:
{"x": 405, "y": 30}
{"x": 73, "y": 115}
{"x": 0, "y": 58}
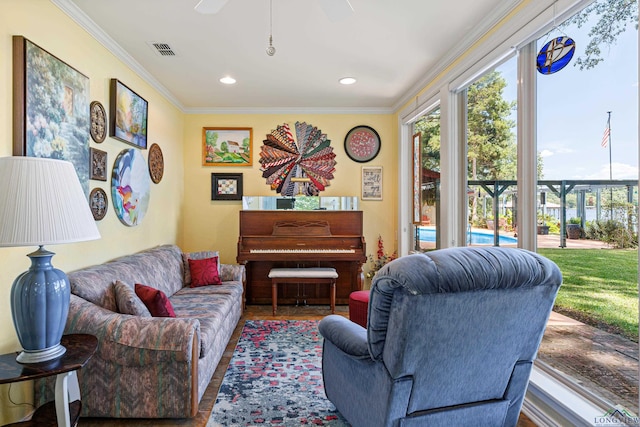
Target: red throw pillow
{"x": 155, "y": 300}
{"x": 204, "y": 272}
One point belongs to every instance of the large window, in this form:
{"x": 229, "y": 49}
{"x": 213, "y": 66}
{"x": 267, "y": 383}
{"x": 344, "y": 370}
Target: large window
{"x": 587, "y": 138}
{"x": 572, "y": 160}
{"x": 491, "y": 157}
{"x": 426, "y": 138}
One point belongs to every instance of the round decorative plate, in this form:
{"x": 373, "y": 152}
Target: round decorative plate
{"x": 304, "y": 165}
{"x": 98, "y": 203}
{"x": 362, "y": 144}
{"x": 156, "y": 163}
{"x": 130, "y": 187}
{"x": 98, "y": 121}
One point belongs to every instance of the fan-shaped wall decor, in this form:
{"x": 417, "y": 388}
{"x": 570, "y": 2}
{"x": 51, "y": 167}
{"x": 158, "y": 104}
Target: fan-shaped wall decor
{"x": 303, "y": 165}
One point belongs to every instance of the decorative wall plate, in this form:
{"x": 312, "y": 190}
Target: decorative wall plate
{"x": 156, "y": 163}
{"x": 362, "y": 144}
{"x": 98, "y": 122}
{"x": 304, "y": 165}
{"x": 98, "y": 203}
{"x": 98, "y": 167}
{"x": 130, "y": 187}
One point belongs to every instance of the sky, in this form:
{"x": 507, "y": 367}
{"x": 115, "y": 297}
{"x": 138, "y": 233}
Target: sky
{"x": 572, "y": 111}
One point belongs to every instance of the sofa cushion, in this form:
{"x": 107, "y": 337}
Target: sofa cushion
{"x": 210, "y": 305}
{"x": 196, "y": 255}
{"x": 155, "y": 300}
{"x": 128, "y": 302}
{"x": 204, "y": 272}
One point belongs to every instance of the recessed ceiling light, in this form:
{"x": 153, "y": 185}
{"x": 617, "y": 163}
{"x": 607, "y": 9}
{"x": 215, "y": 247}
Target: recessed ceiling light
{"x": 228, "y": 80}
{"x": 347, "y": 80}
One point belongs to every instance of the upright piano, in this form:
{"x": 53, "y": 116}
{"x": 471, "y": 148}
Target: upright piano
{"x": 291, "y": 239}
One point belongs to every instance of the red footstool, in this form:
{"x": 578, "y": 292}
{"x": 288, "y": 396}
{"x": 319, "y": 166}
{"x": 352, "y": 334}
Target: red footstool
{"x": 358, "y": 307}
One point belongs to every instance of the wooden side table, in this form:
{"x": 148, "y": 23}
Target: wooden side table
{"x": 80, "y": 348}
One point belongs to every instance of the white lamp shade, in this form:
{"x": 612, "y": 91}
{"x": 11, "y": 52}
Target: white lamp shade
{"x": 42, "y": 203}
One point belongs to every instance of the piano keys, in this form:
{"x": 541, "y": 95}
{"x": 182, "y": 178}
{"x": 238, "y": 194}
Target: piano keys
{"x": 288, "y": 239}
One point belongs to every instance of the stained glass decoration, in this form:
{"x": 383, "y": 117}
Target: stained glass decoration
{"x": 300, "y": 166}
{"x": 555, "y": 55}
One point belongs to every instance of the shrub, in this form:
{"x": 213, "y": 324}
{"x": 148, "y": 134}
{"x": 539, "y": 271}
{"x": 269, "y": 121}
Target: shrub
{"x": 613, "y": 232}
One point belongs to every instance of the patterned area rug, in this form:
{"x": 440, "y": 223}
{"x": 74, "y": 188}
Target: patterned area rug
{"x": 275, "y": 378}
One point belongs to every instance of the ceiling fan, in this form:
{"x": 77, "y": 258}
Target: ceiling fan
{"x": 335, "y": 10}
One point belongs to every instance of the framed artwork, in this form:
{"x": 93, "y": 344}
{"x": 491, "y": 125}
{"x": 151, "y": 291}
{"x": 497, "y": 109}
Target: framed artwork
{"x": 226, "y": 186}
{"x": 50, "y": 108}
{"x": 130, "y": 187}
{"x": 98, "y": 164}
{"x": 362, "y": 144}
{"x": 372, "y": 183}
{"x": 417, "y": 178}
{"x": 128, "y": 113}
{"x": 227, "y": 146}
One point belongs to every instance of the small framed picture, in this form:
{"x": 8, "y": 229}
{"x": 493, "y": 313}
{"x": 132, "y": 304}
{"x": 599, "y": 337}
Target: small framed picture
{"x": 98, "y": 167}
{"x": 372, "y": 183}
{"x": 128, "y": 115}
{"x": 226, "y": 186}
{"x": 227, "y": 146}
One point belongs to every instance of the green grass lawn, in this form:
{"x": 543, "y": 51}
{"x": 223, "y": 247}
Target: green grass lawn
{"x": 600, "y": 287}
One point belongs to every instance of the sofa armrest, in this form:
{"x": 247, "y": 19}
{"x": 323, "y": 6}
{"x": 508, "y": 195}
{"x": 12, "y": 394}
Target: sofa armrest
{"x": 232, "y": 273}
{"x": 348, "y": 336}
{"x": 132, "y": 340}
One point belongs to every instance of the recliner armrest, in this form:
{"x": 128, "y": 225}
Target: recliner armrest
{"x": 348, "y": 336}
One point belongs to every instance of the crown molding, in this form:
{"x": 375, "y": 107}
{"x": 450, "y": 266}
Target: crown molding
{"x": 290, "y": 110}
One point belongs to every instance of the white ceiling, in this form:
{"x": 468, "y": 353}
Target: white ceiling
{"x": 391, "y": 47}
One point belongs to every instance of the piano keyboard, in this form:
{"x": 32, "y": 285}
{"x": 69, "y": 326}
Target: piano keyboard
{"x": 302, "y": 251}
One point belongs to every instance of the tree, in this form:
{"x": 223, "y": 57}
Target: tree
{"x": 613, "y": 18}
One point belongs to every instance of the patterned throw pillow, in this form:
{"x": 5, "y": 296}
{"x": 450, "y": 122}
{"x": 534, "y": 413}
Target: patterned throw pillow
{"x": 155, "y": 300}
{"x": 128, "y": 302}
{"x": 204, "y": 272}
{"x": 196, "y": 255}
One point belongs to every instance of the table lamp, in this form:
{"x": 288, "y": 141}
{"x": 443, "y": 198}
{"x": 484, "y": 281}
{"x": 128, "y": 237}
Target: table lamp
{"x": 41, "y": 203}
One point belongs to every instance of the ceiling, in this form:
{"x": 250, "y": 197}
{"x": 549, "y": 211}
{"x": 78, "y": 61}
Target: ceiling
{"x": 390, "y": 47}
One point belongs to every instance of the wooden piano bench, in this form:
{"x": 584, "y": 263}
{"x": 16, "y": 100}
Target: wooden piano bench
{"x": 303, "y": 275}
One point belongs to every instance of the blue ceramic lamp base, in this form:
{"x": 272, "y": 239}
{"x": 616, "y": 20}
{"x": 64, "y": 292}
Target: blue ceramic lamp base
{"x": 39, "y": 306}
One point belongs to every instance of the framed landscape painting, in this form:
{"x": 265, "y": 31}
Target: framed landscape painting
{"x": 128, "y": 115}
{"x": 227, "y": 146}
{"x": 50, "y": 108}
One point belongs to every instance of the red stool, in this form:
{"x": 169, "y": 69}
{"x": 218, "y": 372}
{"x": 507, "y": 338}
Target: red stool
{"x": 358, "y": 307}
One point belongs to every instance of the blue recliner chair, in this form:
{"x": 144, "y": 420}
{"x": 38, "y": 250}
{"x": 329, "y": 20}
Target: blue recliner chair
{"x": 452, "y": 335}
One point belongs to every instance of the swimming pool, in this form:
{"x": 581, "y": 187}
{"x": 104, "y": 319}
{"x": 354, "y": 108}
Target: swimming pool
{"x": 428, "y": 234}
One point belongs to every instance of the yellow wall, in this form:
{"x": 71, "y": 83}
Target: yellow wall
{"x": 45, "y": 25}
{"x": 214, "y": 224}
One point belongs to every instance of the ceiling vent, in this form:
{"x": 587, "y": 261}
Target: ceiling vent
{"x": 162, "y": 49}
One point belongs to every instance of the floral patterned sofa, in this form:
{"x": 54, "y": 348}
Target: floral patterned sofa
{"x": 150, "y": 367}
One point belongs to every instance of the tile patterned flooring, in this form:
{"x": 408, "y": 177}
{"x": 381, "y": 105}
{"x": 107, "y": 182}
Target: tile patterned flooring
{"x": 253, "y": 312}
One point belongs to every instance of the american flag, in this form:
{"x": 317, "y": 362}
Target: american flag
{"x": 605, "y": 137}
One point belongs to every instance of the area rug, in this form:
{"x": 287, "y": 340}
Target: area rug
{"x": 275, "y": 378}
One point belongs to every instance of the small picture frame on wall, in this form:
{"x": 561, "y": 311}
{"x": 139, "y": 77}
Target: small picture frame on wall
{"x": 98, "y": 167}
{"x": 372, "y": 183}
{"x": 227, "y": 146}
{"x": 128, "y": 113}
{"x": 226, "y": 186}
